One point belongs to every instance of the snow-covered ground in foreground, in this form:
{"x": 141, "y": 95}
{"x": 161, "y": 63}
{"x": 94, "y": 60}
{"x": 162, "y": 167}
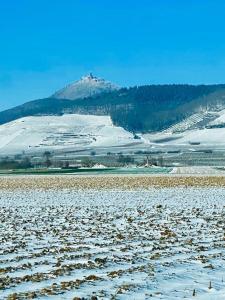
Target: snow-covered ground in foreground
{"x": 61, "y": 132}
{"x": 158, "y": 244}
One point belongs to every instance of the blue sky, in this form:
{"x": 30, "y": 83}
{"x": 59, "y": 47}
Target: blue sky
{"x": 46, "y": 44}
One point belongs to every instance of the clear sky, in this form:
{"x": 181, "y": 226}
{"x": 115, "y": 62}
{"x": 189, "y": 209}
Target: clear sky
{"x": 46, "y": 44}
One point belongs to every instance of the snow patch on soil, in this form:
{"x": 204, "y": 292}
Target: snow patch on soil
{"x": 163, "y": 243}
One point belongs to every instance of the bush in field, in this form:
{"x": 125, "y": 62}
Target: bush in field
{"x": 66, "y": 164}
{"x": 160, "y": 162}
{"x": 8, "y": 164}
{"x": 25, "y": 163}
{"x": 87, "y": 162}
{"x": 47, "y": 155}
{"x": 48, "y": 163}
{"x": 125, "y": 159}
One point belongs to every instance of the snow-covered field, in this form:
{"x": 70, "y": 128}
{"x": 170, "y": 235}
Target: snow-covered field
{"x": 165, "y": 243}
{"x": 194, "y": 130}
{"x": 61, "y": 132}
{"x": 213, "y": 138}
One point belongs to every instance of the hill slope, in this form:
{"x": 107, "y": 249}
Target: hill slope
{"x": 87, "y": 86}
{"x": 138, "y": 109}
{"x": 61, "y": 132}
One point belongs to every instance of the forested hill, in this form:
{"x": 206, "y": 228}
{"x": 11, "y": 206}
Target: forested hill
{"x": 138, "y": 109}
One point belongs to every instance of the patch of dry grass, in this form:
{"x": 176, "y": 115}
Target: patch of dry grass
{"x": 108, "y": 182}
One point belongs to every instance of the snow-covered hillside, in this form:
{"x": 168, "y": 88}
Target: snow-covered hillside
{"x": 200, "y": 129}
{"x": 210, "y": 137}
{"x": 87, "y": 86}
{"x": 195, "y": 121}
{"x": 61, "y": 132}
